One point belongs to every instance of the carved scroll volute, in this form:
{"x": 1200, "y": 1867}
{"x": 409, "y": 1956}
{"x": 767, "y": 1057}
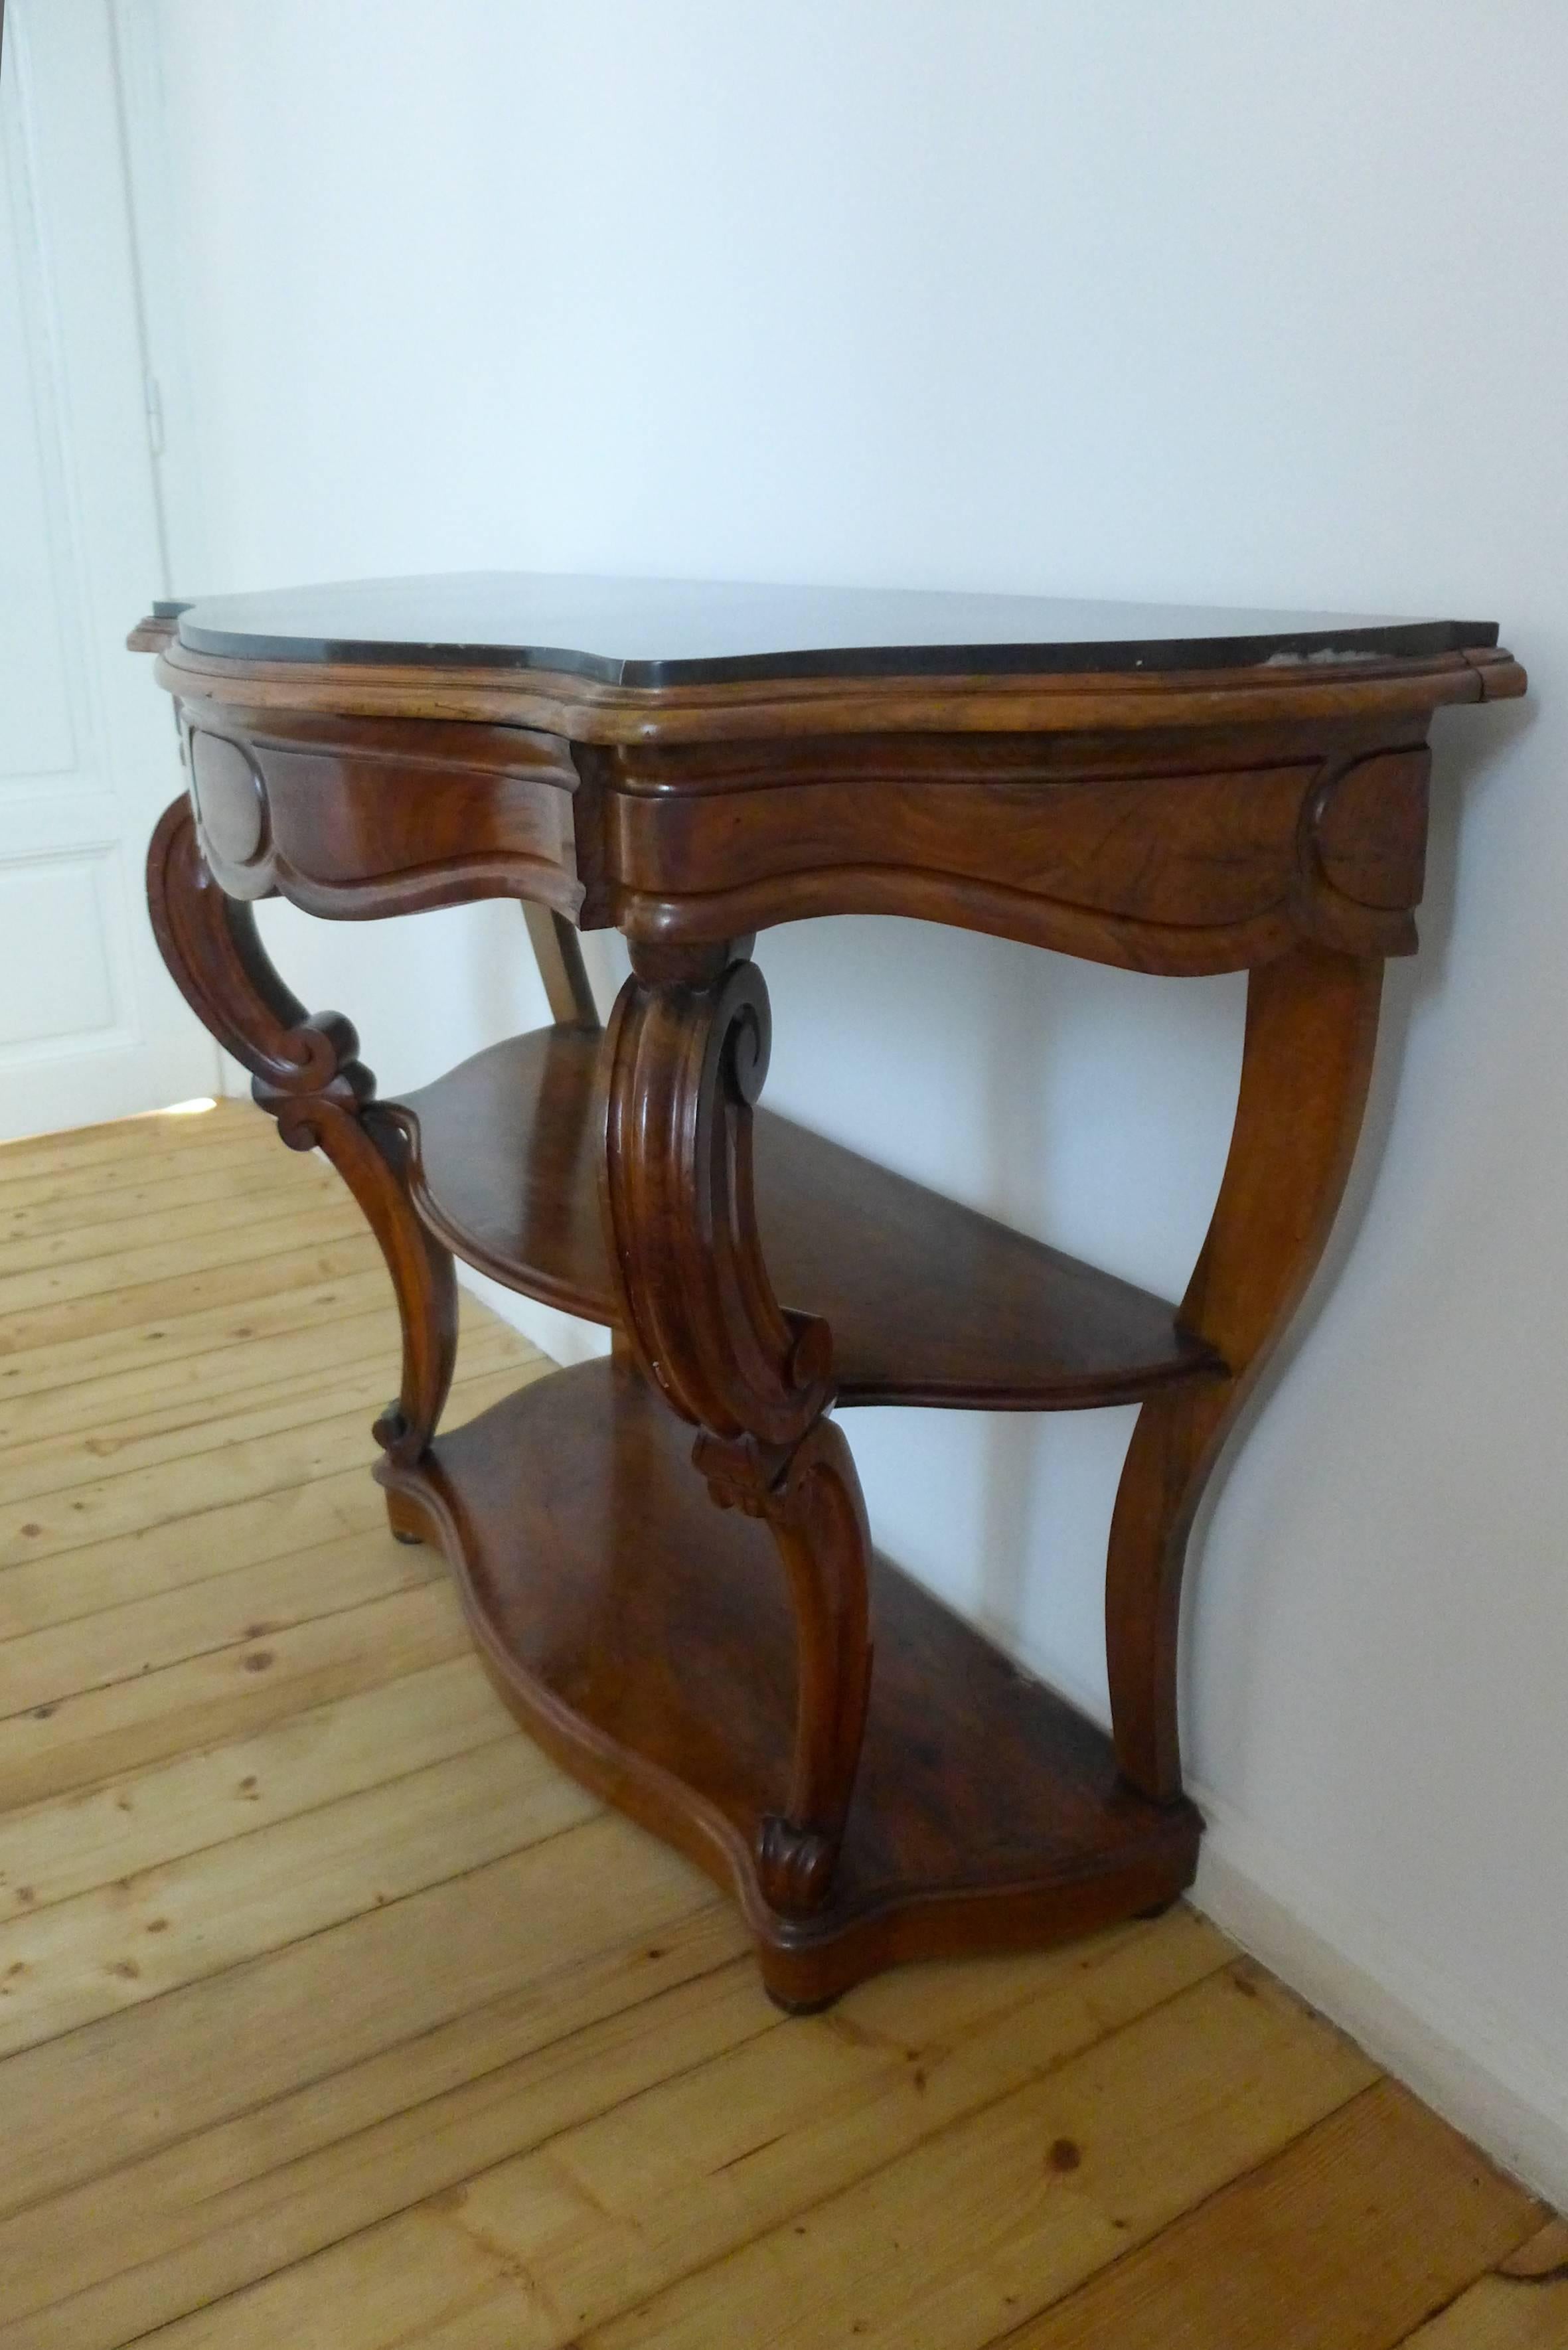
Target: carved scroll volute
{"x": 306, "y": 1072}
{"x": 686, "y": 1053}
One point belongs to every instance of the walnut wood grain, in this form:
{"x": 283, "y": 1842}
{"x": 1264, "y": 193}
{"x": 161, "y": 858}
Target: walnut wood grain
{"x": 1162, "y": 852}
{"x": 1175, "y": 849}
{"x": 646, "y": 1640}
{"x": 1312, "y": 1027}
{"x": 813, "y": 1506}
{"x": 590, "y": 712}
{"x": 306, "y": 1074}
{"x": 359, "y": 820}
{"x": 929, "y": 1301}
{"x": 685, "y": 1056}
{"x": 1252, "y": 799}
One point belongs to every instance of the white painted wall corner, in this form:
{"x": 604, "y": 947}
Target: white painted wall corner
{"x": 1482, "y": 2068}
{"x": 562, "y": 1336}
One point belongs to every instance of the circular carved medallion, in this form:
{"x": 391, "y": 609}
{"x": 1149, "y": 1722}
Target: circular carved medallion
{"x": 230, "y": 797}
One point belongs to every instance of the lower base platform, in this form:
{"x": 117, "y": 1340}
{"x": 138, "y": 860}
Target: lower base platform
{"x": 645, "y": 1638}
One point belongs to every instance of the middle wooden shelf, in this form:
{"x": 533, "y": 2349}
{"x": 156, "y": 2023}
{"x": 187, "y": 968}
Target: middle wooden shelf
{"x": 928, "y": 1301}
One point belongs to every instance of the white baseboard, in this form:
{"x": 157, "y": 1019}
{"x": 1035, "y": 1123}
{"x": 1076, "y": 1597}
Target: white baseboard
{"x": 1481, "y": 2068}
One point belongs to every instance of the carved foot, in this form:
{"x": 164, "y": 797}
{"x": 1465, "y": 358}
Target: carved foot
{"x": 813, "y": 1504}
{"x": 796, "y": 1865}
{"x": 405, "y": 1519}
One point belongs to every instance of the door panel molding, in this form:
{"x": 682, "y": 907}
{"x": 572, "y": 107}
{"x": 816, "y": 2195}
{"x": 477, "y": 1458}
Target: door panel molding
{"x": 93, "y": 1027}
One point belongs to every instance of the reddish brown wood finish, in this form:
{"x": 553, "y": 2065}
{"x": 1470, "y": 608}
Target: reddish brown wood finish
{"x": 306, "y": 1072}
{"x": 359, "y": 819}
{"x": 712, "y": 1669}
{"x": 686, "y": 1053}
{"x": 646, "y": 1640}
{"x": 928, "y": 1302}
{"x": 1389, "y": 692}
{"x": 1268, "y": 832}
{"x": 1311, "y": 1027}
{"x": 812, "y": 1504}
{"x": 685, "y": 1056}
{"x": 1179, "y": 853}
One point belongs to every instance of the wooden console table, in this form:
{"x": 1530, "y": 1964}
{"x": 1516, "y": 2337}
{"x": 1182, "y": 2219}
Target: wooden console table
{"x": 664, "y": 1556}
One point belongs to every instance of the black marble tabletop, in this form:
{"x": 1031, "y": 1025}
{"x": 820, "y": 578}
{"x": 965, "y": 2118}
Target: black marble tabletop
{"x": 665, "y": 632}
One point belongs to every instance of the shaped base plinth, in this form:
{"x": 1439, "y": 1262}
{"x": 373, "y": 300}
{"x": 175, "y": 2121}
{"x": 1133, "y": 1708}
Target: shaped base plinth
{"x": 645, "y": 1640}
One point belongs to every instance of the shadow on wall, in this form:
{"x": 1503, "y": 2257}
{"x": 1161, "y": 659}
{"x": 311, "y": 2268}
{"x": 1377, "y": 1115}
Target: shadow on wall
{"x": 1091, "y": 1108}
{"x": 1088, "y": 1107}
{"x": 1468, "y": 750}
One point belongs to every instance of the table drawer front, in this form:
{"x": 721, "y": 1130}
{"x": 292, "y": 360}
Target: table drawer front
{"x": 1180, "y": 870}
{"x": 366, "y": 818}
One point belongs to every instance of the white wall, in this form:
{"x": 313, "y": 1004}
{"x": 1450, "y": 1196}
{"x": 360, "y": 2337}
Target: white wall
{"x": 1222, "y": 302}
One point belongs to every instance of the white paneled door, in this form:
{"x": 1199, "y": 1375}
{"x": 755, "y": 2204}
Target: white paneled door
{"x": 90, "y": 1027}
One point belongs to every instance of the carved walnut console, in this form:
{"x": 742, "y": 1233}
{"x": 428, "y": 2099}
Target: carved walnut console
{"x": 664, "y": 1556}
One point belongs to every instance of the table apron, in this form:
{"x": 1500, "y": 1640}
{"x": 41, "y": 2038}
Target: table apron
{"x": 1176, "y": 869}
{"x": 356, "y": 818}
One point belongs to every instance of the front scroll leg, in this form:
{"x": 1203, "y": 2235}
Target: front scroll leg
{"x": 686, "y": 1053}
{"x": 817, "y": 1515}
{"x": 304, "y": 1072}
{"x": 1312, "y": 1025}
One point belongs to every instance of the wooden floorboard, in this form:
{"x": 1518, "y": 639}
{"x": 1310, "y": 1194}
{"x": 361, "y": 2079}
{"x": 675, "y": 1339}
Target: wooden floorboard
{"x": 1521, "y": 2305}
{"x": 331, "y": 2014}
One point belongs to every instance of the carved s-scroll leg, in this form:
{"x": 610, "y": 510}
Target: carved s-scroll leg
{"x": 817, "y": 1515}
{"x": 304, "y": 1072}
{"x": 686, "y": 1053}
{"x": 1312, "y": 1025}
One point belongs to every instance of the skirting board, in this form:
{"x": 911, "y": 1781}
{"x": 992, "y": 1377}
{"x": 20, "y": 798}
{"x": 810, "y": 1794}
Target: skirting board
{"x": 1481, "y": 2068}
{"x": 1478, "y": 2067}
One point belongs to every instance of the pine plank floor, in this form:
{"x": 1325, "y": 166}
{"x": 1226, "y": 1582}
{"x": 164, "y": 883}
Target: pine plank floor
{"x": 333, "y": 2017}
